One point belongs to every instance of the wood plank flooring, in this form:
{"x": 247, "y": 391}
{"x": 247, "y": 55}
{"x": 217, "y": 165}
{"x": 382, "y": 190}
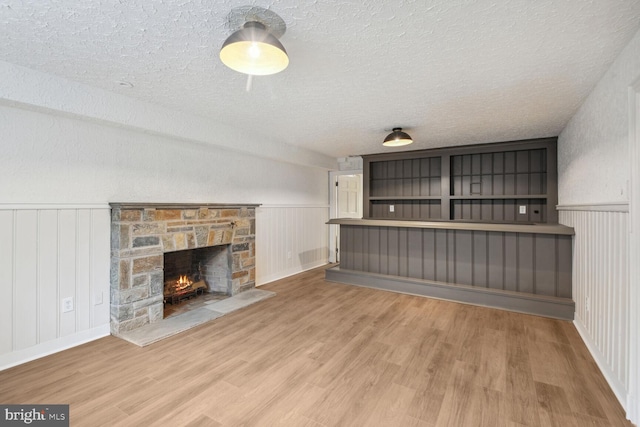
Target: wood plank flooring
{"x": 326, "y": 354}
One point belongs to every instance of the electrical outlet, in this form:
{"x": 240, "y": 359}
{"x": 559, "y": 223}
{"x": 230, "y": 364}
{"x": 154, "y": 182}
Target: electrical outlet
{"x": 67, "y": 304}
{"x": 523, "y": 209}
{"x": 392, "y": 208}
{"x": 97, "y": 299}
{"x": 587, "y": 304}
{"x": 289, "y": 255}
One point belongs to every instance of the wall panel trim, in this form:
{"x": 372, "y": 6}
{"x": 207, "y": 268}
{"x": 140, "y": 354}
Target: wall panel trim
{"x": 47, "y": 206}
{"x": 597, "y": 207}
{"x": 294, "y": 206}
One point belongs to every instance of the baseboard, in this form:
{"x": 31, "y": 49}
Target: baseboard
{"x": 554, "y": 307}
{"x": 633, "y": 408}
{"x": 616, "y": 386}
{"x": 19, "y": 357}
{"x": 290, "y": 272}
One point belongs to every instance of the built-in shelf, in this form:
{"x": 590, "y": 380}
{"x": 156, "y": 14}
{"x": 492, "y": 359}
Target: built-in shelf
{"x": 406, "y": 198}
{"x": 501, "y": 182}
{"x": 500, "y": 197}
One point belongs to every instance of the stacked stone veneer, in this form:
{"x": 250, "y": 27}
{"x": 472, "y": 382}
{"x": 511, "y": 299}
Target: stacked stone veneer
{"x": 141, "y": 234}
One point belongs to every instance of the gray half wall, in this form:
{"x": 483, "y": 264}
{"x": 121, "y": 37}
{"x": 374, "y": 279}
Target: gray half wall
{"x": 489, "y": 264}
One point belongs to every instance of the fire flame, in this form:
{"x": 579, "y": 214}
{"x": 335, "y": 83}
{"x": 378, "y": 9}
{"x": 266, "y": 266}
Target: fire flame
{"x": 183, "y": 283}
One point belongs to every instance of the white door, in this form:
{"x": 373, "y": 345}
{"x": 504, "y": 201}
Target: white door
{"x": 348, "y": 197}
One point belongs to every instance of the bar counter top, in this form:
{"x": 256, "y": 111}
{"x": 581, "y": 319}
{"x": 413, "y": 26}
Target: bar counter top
{"x": 557, "y": 229}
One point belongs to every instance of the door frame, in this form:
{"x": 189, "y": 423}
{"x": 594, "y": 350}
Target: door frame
{"x": 333, "y": 209}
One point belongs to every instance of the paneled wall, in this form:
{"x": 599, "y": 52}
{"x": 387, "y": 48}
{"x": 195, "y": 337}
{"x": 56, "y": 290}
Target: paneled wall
{"x": 51, "y": 252}
{"x": 48, "y": 253}
{"x": 290, "y": 239}
{"x": 519, "y": 262}
{"x": 601, "y": 286}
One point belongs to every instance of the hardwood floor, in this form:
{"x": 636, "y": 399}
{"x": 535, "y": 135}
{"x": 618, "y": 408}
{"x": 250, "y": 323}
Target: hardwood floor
{"x": 326, "y": 354}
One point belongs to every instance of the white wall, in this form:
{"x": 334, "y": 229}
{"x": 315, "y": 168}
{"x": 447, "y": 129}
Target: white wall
{"x": 594, "y": 173}
{"x": 593, "y": 149}
{"x": 66, "y": 148}
{"x": 47, "y": 158}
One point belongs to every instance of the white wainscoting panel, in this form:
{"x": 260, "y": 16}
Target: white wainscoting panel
{"x": 49, "y": 253}
{"x": 601, "y": 286}
{"x": 290, "y": 239}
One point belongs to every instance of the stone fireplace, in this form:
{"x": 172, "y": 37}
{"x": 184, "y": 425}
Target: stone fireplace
{"x": 141, "y": 235}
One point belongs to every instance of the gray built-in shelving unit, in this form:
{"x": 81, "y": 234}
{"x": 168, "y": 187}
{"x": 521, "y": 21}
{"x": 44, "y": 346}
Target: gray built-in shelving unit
{"x": 512, "y": 182}
{"x": 474, "y": 224}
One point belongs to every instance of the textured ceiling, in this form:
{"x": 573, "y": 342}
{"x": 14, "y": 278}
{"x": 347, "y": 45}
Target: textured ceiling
{"x": 450, "y": 72}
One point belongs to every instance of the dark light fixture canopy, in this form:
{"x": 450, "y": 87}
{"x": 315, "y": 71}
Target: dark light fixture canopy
{"x": 254, "y": 50}
{"x": 397, "y": 138}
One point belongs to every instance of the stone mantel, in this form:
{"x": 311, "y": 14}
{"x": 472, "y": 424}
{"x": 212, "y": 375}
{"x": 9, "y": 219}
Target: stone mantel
{"x": 141, "y": 233}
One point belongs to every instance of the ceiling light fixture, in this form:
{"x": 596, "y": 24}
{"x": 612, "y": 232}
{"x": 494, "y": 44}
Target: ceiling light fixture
{"x": 255, "y": 49}
{"x": 397, "y": 138}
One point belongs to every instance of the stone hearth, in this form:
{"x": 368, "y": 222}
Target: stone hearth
{"x": 142, "y": 233}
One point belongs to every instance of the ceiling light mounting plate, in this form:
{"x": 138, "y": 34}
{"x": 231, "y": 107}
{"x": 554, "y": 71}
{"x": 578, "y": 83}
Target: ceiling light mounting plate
{"x": 239, "y": 16}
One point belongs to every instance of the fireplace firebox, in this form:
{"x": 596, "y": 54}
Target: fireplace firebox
{"x": 192, "y": 272}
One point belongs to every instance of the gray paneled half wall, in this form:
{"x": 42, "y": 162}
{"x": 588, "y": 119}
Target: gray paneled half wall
{"x": 513, "y": 263}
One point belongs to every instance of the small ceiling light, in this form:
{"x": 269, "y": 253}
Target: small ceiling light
{"x": 255, "y": 49}
{"x": 397, "y": 138}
